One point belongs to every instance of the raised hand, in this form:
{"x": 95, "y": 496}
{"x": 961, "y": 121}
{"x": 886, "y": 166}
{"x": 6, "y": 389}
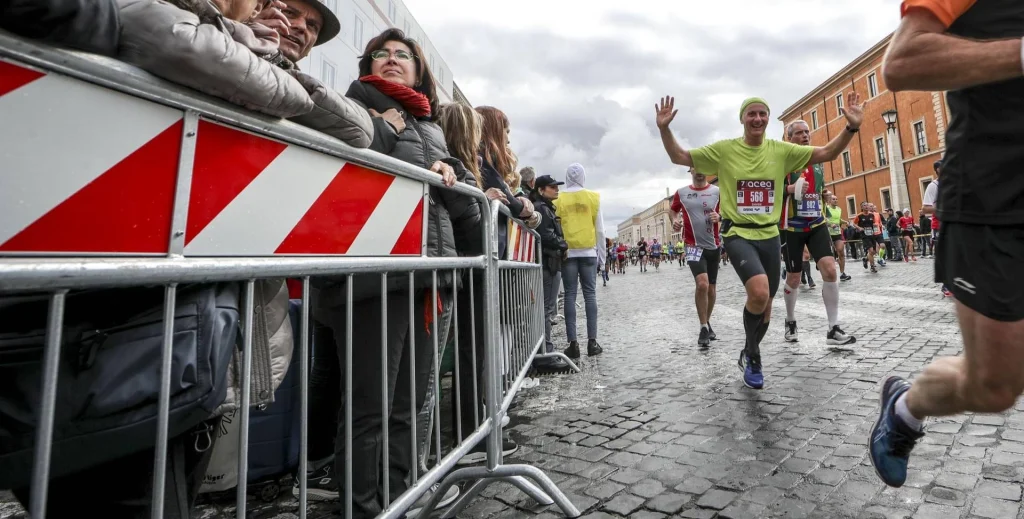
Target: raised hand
{"x": 665, "y": 112}
{"x": 272, "y": 17}
{"x": 854, "y": 109}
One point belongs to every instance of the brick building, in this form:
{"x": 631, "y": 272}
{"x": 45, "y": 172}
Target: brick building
{"x": 880, "y": 161}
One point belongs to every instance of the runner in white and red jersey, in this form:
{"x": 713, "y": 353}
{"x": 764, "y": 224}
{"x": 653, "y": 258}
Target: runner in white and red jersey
{"x": 699, "y": 205}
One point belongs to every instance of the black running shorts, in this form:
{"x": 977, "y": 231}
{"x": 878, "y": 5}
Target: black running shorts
{"x": 817, "y": 241}
{"x": 870, "y": 243}
{"x": 755, "y": 257}
{"x": 708, "y": 264}
{"x": 981, "y": 266}
{"x": 836, "y": 238}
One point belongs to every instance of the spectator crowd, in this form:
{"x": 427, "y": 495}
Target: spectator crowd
{"x": 247, "y": 52}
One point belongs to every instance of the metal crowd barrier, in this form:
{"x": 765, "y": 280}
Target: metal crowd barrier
{"x": 231, "y": 196}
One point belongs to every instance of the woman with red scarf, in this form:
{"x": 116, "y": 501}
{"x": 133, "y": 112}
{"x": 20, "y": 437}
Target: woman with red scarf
{"x": 398, "y": 90}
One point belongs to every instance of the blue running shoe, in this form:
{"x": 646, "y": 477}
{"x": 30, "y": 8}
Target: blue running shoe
{"x": 891, "y": 439}
{"x": 752, "y": 376}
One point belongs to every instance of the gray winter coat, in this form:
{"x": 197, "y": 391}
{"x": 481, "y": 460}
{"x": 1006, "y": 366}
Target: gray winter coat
{"x": 213, "y": 58}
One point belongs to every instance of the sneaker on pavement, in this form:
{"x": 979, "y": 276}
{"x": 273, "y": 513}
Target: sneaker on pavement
{"x": 704, "y": 340}
{"x": 752, "y": 376}
{"x": 837, "y": 337}
{"x": 593, "y": 348}
{"x": 946, "y": 292}
{"x": 874, "y": 270}
{"x": 891, "y": 440}
{"x": 573, "y": 351}
{"x": 790, "y": 334}
{"x": 812, "y": 285}
{"x": 320, "y": 484}
{"x": 711, "y": 333}
{"x": 845, "y": 277}
{"x": 449, "y": 497}
{"x": 549, "y": 366}
{"x": 479, "y": 453}
{"x": 865, "y": 262}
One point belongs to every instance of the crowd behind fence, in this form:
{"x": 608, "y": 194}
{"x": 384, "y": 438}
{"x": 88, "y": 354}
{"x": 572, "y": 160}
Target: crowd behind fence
{"x": 154, "y": 309}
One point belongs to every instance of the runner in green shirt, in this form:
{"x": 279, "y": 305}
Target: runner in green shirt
{"x": 751, "y": 170}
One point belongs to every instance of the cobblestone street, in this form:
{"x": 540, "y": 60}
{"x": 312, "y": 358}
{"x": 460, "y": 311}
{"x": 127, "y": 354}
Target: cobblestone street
{"x": 655, "y": 428}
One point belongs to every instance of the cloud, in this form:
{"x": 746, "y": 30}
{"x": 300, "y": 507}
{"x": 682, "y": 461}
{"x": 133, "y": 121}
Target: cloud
{"x": 579, "y": 84}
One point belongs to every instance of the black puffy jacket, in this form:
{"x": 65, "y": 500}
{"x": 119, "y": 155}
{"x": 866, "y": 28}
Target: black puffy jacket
{"x": 89, "y": 25}
{"x": 422, "y": 143}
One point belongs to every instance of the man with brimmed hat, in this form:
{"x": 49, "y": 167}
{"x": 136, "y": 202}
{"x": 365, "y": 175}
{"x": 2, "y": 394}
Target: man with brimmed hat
{"x": 698, "y": 204}
{"x": 302, "y": 25}
{"x": 553, "y": 249}
{"x": 750, "y": 171}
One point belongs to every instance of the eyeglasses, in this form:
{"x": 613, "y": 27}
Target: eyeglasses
{"x": 400, "y": 55}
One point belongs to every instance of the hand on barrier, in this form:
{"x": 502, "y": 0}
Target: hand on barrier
{"x": 527, "y": 207}
{"x": 446, "y": 171}
{"x": 272, "y": 18}
{"x": 393, "y": 117}
{"x": 496, "y": 194}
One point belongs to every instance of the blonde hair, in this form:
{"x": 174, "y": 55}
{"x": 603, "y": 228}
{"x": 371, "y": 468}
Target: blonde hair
{"x": 462, "y": 128}
{"x": 514, "y": 181}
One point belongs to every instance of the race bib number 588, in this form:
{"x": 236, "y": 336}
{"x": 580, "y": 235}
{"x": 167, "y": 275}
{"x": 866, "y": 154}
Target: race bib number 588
{"x": 755, "y": 196}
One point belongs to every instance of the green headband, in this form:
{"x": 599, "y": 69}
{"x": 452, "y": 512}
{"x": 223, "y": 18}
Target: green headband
{"x": 750, "y": 101}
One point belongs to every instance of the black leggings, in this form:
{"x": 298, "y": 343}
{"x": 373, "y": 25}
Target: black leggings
{"x": 754, "y": 258}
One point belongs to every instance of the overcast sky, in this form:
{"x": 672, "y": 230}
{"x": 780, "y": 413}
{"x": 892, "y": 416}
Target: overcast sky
{"x": 579, "y": 79}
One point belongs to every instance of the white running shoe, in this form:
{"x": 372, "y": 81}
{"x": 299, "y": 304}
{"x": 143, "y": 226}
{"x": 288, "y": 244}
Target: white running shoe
{"x": 791, "y": 331}
{"x": 837, "y": 337}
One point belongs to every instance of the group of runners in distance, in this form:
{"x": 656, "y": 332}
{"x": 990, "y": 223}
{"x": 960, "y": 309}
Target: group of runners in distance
{"x": 769, "y": 201}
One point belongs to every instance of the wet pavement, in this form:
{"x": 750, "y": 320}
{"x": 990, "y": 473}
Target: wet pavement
{"x": 656, "y": 428}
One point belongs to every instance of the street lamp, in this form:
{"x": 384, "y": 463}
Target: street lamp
{"x": 897, "y": 174}
{"x": 889, "y": 116}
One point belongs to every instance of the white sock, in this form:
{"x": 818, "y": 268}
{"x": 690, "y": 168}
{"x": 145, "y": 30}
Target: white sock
{"x": 704, "y": 326}
{"x": 789, "y": 295}
{"x": 830, "y": 294}
{"x": 904, "y": 414}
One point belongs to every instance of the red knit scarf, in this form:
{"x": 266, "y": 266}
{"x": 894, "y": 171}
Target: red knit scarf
{"x": 416, "y": 103}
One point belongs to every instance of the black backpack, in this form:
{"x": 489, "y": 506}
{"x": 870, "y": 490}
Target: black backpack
{"x": 109, "y": 379}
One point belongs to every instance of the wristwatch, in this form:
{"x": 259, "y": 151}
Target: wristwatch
{"x": 852, "y": 130}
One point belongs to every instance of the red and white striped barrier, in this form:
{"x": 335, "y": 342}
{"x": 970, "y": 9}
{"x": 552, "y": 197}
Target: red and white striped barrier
{"x": 521, "y": 243}
{"x": 89, "y": 170}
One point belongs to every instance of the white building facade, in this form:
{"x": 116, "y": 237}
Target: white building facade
{"x": 336, "y": 62}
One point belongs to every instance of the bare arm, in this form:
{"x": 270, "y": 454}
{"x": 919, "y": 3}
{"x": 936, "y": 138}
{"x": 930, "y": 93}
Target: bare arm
{"x": 854, "y": 112}
{"x": 922, "y": 57}
{"x": 665, "y": 112}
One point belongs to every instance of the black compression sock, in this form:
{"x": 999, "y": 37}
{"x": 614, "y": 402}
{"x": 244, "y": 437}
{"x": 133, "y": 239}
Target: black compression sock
{"x": 761, "y": 330}
{"x": 751, "y": 325}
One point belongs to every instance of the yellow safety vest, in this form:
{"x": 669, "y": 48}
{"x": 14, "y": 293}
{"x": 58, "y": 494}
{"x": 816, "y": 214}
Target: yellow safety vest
{"x": 578, "y": 212}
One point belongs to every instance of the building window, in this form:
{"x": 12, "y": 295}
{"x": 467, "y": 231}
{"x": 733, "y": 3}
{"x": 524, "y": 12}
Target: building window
{"x": 814, "y": 119}
{"x": 847, "y": 168}
{"x": 357, "y": 33}
{"x": 851, "y": 205}
{"x": 407, "y": 31}
{"x": 328, "y": 73}
{"x": 433, "y": 64}
{"x": 839, "y": 102}
{"x": 886, "y": 199}
{"x": 392, "y": 11}
{"x": 331, "y": 4}
{"x": 925, "y": 182}
{"x": 883, "y": 160}
{"x": 920, "y": 138}
{"x": 872, "y": 85}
